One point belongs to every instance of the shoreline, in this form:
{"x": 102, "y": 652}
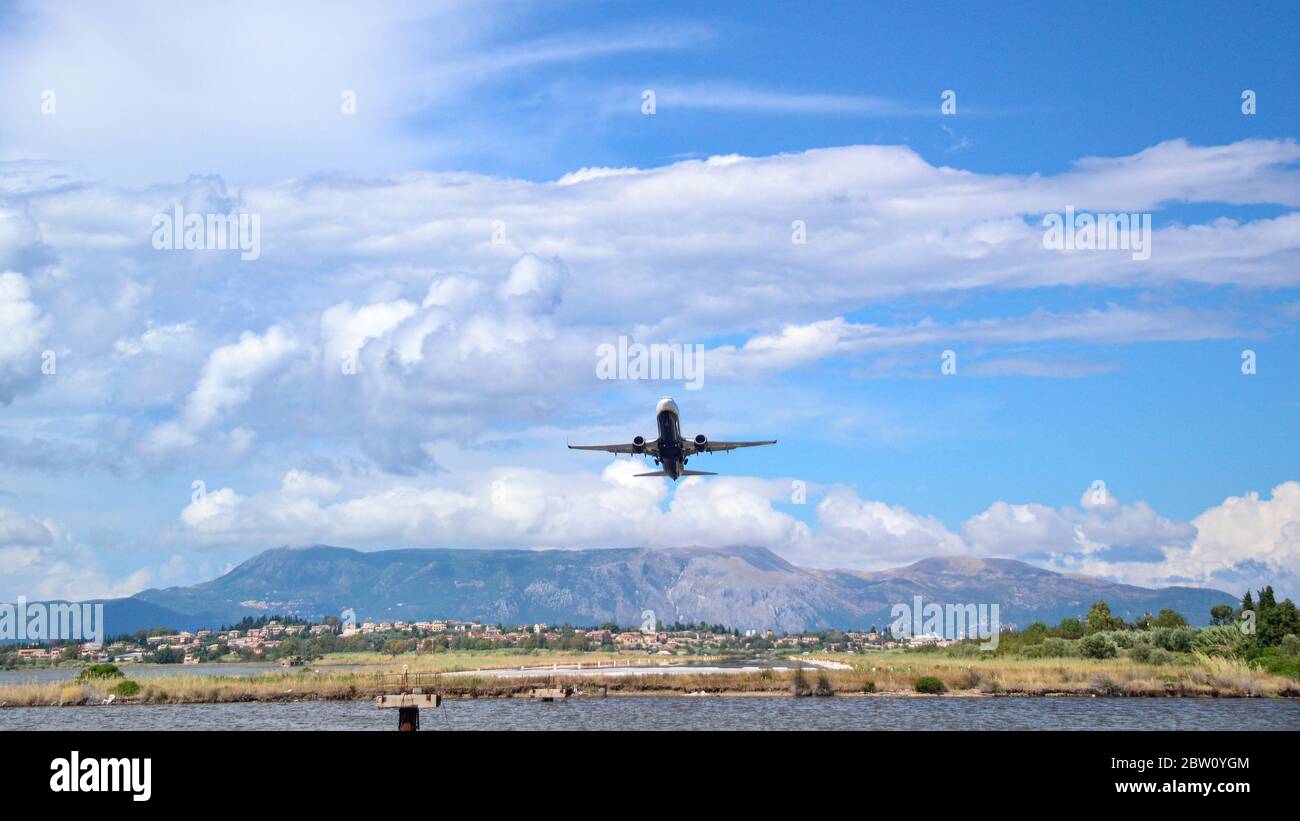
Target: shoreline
{"x": 672, "y": 694}
{"x": 1211, "y": 679}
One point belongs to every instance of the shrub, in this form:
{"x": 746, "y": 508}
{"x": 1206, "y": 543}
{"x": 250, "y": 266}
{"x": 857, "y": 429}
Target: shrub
{"x": 931, "y": 685}
{"x": 1290, "y": 645}
{"x": 1098, "y": 646}
{"x": 1146, "y": 654}
{"x": 868, "y": 686}
{"x": 799, "y": 683}
{"x": 1161, "y": 656}
{"x": 99, "y": 671}
{"x": 1055, "y": 648}
{"x": 1173, "y": 639}
{"x": 1224, "y": 641}
{"x": 824, "y": 687}
{"x": 991, "y": 686}
{"x": 1140, "y": 637}
{"x": 1035, "y": 632}
{"x": 970, "y": 679}
{"x": 72, "y": 694}
{"x": 1279, "y": 664}
{"x": 125, "y": 688}
{"x": 1124, "y": 639}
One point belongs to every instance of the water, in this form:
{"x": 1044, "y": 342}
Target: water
{"x": 689, "y": 713}
{"x": 49, "y": 675}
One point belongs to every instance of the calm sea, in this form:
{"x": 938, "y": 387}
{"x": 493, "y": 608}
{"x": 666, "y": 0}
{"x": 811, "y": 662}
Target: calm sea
{"x": 689, "y": 713}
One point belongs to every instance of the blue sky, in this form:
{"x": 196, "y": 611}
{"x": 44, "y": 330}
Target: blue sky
{"x": 476, "y": 360}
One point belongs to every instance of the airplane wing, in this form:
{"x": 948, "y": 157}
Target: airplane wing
{"x": 651, "y": 447}
{"x": 716, "y": 447}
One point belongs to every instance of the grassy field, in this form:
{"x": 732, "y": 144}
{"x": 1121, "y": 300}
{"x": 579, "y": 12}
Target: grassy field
{"x": 466, "y": 660}
{"x": 889, "y": 673}
{"x": 1193, "y": 675}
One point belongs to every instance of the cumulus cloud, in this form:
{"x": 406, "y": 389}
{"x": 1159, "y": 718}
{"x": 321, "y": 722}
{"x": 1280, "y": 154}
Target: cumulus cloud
{"x": 458, "y": 333}
{"x": 39, "y": 559}
{"x": 1246, "y": 540}
{"x": 867, "y": 534}
{"x": 488, "y": 328}
{"x": 24, "y": 330}
{"x": 508, "y": 507}
{"x": 17, "y": 530}
{"x": 1100, "y": 531}
{"x": 1018, "y": 529}
{"x": 227, "y": 381}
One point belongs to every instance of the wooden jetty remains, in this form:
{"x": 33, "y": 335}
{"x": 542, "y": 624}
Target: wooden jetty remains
{"x": 550, "y": 693}
{"x": 407, "y": 701}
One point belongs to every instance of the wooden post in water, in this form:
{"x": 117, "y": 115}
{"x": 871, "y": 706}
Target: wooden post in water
{"x": 408, "y": 719}
{"x": 408, "y": 707}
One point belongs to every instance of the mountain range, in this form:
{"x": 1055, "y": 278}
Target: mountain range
{"x": 740, "y": 587}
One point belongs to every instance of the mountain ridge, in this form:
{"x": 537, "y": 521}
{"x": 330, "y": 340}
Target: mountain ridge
{"x": 744, "y": 586}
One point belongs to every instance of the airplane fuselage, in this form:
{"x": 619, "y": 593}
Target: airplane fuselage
{"x": 671, "y": 451}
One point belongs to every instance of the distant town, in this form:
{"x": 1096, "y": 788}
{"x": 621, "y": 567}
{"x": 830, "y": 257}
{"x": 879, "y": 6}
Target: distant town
{"x": 289, "y": 640}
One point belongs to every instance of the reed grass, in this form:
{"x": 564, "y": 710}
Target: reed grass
{"x": 872, "y": 674}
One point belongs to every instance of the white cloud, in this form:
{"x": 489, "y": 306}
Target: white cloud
{"x": 1244, "y": 541}
{"x": 1247, "y": 540}
{"x": 796, "y": 345}
{"x": 581, "y": 264}
{"x": 1126, "y": 538}
{"x": 479, "y": 337}
{"x": 865, "y": 534}
{"x": 308, "y": 485}
{"x": 227, "y": 381}
{"x": 272, "y": 105}
{"x": 345, "y": 327}
{"x": 156, "y": 339}
{"x": 520, "y": 507}
{"x": 1016, "y": 529}
{"x": 17, "y": 530}
{"x": 24, "y": 330}
{"x": 39, "y": 559}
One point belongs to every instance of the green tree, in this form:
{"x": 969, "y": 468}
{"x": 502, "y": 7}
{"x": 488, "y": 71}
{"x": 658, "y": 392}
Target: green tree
{"x": 1070, "y": 628}
{"x": 1220, "y": 614}
{"x": 1170, "y": 618}
{"x": 1100, "y": 619}
{"x": 99, "y": 671}
{"x": 168, "y": 655}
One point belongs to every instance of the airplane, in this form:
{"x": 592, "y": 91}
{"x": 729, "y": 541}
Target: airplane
{"x": 670, "y": 450}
